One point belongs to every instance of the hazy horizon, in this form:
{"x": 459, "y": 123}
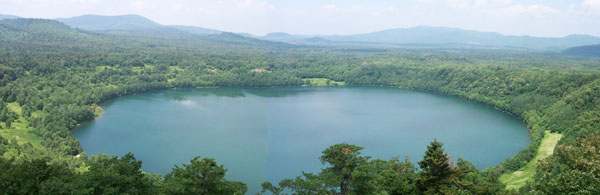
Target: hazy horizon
{"x": 337, "y": 17}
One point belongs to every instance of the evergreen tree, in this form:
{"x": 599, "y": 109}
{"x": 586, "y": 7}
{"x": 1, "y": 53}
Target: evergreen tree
{"x": 435, "y": 168}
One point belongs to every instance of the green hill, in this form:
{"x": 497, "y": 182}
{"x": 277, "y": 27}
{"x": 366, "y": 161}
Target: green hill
{"x": 586, "y": 50}
{"x": 2, "y": 17}
{"x": 104, "y": 23}
{"x": 40, "y": 31}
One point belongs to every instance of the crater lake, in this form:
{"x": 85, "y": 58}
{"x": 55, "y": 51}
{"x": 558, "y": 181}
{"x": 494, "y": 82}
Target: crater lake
{"x": 269, "y": 134}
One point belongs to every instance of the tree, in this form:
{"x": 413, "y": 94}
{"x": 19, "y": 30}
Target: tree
{"x": 113, "y": 175}
{"x": 435, "y": 168}
{"x": 385, "y": 177}
{"x": 201, "y": 177}
{"x": 308, "y": 183}
{"x": 572, "y": 169}
{"x": 343, "y": 160}
{"x": 34, "y": 177}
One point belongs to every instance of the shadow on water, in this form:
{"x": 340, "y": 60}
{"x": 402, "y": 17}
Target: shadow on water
{"x": 281, "y": 92}
{"x": 181, "y": 94}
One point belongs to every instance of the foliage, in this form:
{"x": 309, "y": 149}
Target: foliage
{"x": 349, "y": 173}
{"x": 201, "y": 177}
{"x": 112, "y": 175}
{"x": 573, "y": 169}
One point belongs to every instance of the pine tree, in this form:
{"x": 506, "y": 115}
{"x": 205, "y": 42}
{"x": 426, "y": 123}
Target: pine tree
{"x": 435, "y": 168}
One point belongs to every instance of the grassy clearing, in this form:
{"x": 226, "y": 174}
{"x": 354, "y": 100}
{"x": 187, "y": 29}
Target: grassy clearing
{"x": 322, "y": 82}
{"x": 15, "y": 107}
{"x": 175, "y": 68}
{"x": 517, "y": 179}
{"x": 102, "y": 68}
{"x": 20, "y": 129}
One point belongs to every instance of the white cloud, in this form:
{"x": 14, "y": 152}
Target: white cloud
{"x": 331, "y": 7}
{"x": 86, "y": 1}
{"x": 528, "y": 9}
{"x": 253, "y": 5}
{"x": 592, "y": 6}
{"x": 391, "y": 9}
{"x": 457, "y": 3}
{"x": 139, "y": 5}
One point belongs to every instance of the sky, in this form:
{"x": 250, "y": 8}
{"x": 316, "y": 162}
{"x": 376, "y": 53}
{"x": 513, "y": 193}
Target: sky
{"x": 548, "y": 18}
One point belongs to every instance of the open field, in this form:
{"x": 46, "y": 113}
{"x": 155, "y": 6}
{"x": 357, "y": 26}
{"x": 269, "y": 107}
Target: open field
{"x": 19, "y": 130}
{"x": 518, "y": 178}
{"x": 322, "y": 82}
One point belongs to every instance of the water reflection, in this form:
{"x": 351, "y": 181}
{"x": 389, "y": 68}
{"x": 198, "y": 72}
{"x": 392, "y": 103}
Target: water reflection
{"x": 181, "y": 94}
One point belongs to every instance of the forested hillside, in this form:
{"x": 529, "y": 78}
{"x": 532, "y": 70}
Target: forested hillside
{"x": 586, "y": 50}
{"x": 133, "y": 25}
{"x": 52, "y": 76}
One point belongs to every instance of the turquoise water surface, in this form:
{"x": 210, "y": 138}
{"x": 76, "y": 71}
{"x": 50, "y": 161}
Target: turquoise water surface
{"x": 275, "y": 133}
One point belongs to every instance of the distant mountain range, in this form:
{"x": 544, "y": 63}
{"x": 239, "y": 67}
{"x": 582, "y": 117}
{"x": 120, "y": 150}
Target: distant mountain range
{"x": 421, "y": 36}
{"x": 46, "y": 31}
{"x": 445, "y": 36}
{"x": 442, "y": 37}
{"x": 298, "y": 39}
{"x": 2, "y": 17}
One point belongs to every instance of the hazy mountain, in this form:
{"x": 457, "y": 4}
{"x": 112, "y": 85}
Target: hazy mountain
{"x": 586, "y": 50}
{"x": 278, "y": 35}
{"x": 234, "y": 38}
{"x": 44, "y": 31}
{"x": 317, "y": 39}
{"x": 41, "y": 31}
{"x": 426, "y": 36}
{"x": 454, "y": 36}
{"x": 283, "y": 37}
{"x": 422, "y": 36}
{"x": 297, "y": 39}
{"x": 195, "y": 30}
{"x": 134, "y": 25}
{"x": 106, "y": 23}
{"x": 247, "y": 35}
{"x": 2, "y": 17}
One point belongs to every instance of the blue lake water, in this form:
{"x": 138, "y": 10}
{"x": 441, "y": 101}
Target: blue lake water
{"x": 275, "y": 133}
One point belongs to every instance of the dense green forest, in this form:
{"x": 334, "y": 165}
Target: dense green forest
{"x": 52, "y": 76}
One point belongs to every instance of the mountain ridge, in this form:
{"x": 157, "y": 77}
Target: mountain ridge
{"x": 133, "y": 24}
{"x": 2, "y": 17}
{"x": 418, "y": 36}
{"x": 448, "y": 35}
{"x": 99, "y": 22}
{"x": 47, "y": 31}
{"x": 437, "y": 36}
